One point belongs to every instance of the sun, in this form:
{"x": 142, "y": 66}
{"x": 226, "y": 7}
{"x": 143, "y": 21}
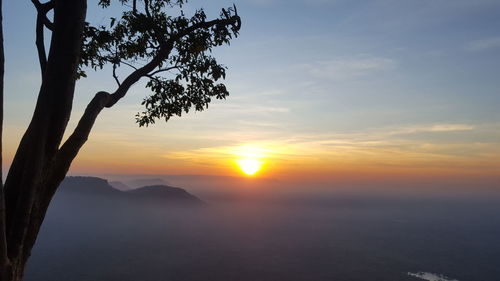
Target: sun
{"x": 249, "y": 166}
{"x": 250, "y": 159}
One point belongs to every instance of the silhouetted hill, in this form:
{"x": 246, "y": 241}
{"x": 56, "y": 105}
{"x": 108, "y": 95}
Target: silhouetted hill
{"x": 136, "y": 183}
{"x": 165, "y": 193}
{"x": 98, "y": 187}
{"x": 88, "y": 185}
{"x": 120, "y": 185}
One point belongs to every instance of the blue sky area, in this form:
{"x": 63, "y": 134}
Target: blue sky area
{"x": 344, "y": 81}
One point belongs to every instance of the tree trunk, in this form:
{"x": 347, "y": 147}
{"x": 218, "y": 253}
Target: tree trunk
{"x": 4, "y": 260}
{"x": 29, "y": 185}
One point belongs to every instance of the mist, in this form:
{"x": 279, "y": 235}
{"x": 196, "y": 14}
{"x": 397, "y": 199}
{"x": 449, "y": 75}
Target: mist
{"x": 315, "y": 236}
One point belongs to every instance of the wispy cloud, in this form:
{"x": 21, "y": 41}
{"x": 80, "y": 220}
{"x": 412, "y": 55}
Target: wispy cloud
{"x": 259, "y": 124}
{"x": 431, "y": 128}
{"x": 281, "y": 2}
{"x": 251, "y": 109}
{"x": 484, "y": 44}
{"x": 350, "y": 67}
{"x": 379, "y": 147}
{"x": 430, "y": 276}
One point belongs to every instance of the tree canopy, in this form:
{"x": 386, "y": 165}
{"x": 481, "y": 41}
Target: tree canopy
{"x": 185, "y": 74}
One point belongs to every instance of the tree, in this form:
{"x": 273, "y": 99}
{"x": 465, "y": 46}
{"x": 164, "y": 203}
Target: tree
{"x": 172, "y": 52}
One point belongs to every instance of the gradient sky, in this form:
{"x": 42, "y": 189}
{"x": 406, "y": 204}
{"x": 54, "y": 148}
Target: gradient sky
{"x": 319, "y": 89}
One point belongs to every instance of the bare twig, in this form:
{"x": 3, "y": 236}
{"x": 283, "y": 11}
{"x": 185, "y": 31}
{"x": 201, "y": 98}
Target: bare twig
{"x": 116, "y": 76}
{"x": 128, "y": 64}
{"x": 164, "y": 70}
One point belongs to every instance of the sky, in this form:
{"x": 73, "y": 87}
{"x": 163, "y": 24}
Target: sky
{"x": 320, "y": 90}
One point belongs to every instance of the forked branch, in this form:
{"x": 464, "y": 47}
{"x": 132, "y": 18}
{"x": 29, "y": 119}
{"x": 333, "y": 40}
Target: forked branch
{"x": 42, "y": 22}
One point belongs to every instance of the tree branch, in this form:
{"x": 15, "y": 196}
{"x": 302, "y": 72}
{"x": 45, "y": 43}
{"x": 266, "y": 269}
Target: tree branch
{"x": 77, "y": 139}
{"x": 164, "y": 52}
{"x": 138, "y": 74}
{"x": 128, "y": 64}
{"x": 146, "y": 8}
{"x": 153, "y": 78}
{"x": 45, "y": 8}
{"x": 163, "y": 70}
{"x": 116, "y": 76}
{"x": 40, "y": 45}
{"x": 234, "y": 21}
{"x": 41, "y": 22}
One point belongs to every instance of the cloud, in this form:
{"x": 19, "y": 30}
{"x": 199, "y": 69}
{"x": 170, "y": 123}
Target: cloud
{"x": 378, "y": 148}
{"x": 430, "y": 276}
{"x": 432, "y": 128}
{"x": 263, "y": 3}
{"x": 267, "y": 3}
{"x": 350, "y": 67}
{"x": 484, "y": 44}
{"x": 250, "y": 109}
{"x": 260, "y": 124}
{"x": 450, "y": 128}
{"x": 399, "y": 141}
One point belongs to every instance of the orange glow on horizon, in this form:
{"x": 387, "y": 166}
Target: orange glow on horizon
{"x": 304, "y": 163}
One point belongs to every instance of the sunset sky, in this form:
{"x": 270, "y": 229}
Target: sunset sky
{"x": 320, "y": 89}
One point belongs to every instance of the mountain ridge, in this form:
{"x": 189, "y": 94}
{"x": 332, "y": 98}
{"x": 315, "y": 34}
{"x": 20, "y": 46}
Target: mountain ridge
{"x": 95, "y": 186}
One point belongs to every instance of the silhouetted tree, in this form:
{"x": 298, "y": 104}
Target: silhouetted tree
{"x": 171, "y": 52}
{"x": 3, "y": 241}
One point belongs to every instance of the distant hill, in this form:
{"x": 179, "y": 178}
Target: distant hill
{"x": 165, "y": 193}
{"x": 136, "y": 183}
{"x": 94, "y": 186}
{"x": 120, "y": 185}
{"x": 88, "y": 185}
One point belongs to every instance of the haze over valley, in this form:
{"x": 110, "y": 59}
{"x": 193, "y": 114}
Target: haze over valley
{"x": 95, "y": 232}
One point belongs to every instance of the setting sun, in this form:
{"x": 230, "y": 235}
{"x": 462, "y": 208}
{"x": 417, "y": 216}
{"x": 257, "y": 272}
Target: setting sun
{"x": 250, "y": 158}
{"x": 249, "y": 166}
